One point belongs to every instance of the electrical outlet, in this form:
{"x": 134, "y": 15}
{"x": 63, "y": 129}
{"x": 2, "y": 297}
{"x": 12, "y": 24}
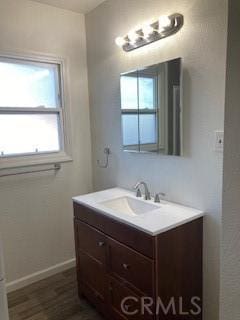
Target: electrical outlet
{"x": 219, "y": 141}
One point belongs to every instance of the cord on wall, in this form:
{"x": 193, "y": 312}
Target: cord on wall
{"x": 107, "y": 152}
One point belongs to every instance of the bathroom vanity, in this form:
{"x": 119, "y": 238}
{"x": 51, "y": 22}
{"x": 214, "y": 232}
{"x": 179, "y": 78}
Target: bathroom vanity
{"x": 137, "y": 259}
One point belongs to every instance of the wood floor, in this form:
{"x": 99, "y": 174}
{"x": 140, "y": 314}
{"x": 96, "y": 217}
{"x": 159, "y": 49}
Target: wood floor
{"x": 54, "y": 298}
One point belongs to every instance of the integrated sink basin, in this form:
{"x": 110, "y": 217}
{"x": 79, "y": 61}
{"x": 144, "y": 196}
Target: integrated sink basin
{"x": 129, "y": 206}
{"x": 145, "y": 215}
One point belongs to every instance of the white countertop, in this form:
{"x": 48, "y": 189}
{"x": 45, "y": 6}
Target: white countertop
{"x": 166, "y": 216}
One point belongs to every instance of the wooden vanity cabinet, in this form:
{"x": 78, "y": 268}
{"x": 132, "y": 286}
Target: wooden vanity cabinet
{"x": 115, "y": 260}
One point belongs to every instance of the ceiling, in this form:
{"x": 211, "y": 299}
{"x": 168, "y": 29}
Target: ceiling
{"x": 80, "y": 6}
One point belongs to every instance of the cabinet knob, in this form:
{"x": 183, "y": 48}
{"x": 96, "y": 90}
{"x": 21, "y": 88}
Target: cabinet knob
{"x": 126, "y": 266}
{"x": 101, "y": 243}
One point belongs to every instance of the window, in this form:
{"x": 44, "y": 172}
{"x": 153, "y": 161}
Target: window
{"x": 139, "y": 109}
{"x": 31, "y": 108}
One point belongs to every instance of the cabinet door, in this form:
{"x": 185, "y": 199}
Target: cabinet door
{"x": 131, "y": 266}
{"x": 91, "y": 241}
{"x": 92, "y": 274}
{"x": 125, "y": 304}
{"x": 91, "y": 264}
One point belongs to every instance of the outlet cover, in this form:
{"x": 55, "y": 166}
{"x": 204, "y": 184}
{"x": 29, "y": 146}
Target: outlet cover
{"x": 219, "y": 141}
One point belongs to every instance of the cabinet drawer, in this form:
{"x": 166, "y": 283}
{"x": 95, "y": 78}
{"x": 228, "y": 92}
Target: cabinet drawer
{"x": 130, "y": 236}
{"x": 92, "y": 273}
{"x": 131, "y": 266}
{"x": 93, "y": 297}
{"x": 91, "y": 241}
{"x": 125, "y": 304}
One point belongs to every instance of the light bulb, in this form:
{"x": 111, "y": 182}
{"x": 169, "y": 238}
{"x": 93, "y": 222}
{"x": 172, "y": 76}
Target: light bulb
{"x": 147, "y": 30}
{"x": 133, "y": 37}
{"x": 164, "y": 22}
{"x": 120, "y": 41}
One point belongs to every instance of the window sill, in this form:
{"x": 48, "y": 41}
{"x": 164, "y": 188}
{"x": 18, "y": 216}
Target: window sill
{"x": 30, "y": 161}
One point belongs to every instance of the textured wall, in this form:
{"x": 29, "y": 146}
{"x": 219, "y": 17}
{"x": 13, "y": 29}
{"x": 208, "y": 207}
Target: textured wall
{"x": 196, "y": 178}
{"x": 36, "y": 210}
{"x": 230, "y": 244}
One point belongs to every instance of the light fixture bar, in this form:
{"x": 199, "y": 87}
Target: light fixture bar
{"x": 149, "y": 33}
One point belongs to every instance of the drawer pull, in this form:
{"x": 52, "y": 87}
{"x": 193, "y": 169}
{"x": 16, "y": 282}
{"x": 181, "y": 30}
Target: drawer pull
{"x": 127, "y": 307}
{"x": 101, "y": 243}
{"x": 126, "y": 266}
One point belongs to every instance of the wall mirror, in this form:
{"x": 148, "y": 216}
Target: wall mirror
{"x": 151, "y": 109}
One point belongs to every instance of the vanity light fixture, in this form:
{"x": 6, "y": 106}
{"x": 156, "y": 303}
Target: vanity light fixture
{"x": 133, "y": 37}
{"x": 164, "y": 27}
{"x": 165, "y": 22}
{"x": 147, "y": 30}
{"x": 120, "y": 41}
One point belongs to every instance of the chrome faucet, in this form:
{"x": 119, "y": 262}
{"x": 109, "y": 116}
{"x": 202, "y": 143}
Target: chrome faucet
{"x": 147, "y": 193}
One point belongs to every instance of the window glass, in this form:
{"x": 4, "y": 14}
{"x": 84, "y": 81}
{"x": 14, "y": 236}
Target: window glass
{"x": 28, "y": 85}
{"x": 130, "y": 129}
{"x": 129, "y": 92}
{"x": 28, "y": 133}
{"x": 148, "y": 128}
{"x": 146, "y": 93}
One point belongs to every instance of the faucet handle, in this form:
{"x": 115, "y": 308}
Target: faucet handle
{"x": 158, "y": 196}
{"x": 138, "y": 193}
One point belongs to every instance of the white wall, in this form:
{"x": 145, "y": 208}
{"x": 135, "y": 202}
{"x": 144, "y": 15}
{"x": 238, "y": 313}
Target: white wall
{"x": 36, "y": 215}
{"x": 196, "y": 178}
{"x": 230, "y": 242}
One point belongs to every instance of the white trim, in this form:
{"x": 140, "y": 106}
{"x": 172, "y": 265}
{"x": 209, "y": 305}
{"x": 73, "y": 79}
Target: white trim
{"x": 40, "y": 275}
{"x": 34, "y": 160}
{"x": 176, "y": 115}
{"x": 33, "y": 110}
{"x": 32, "y": 57}
{"x": 162, "y": 99}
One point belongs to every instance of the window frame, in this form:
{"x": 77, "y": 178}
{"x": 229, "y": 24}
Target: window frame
{"x": 46, "y": 157}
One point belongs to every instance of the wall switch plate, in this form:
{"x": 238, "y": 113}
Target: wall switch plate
{"x": 219, "y": 141}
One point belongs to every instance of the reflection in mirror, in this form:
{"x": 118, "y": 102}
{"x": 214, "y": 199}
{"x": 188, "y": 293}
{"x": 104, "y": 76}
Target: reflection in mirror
{"x": 151, "y": 109}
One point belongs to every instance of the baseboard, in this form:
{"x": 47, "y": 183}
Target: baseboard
{"x": 40, "y": 275}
